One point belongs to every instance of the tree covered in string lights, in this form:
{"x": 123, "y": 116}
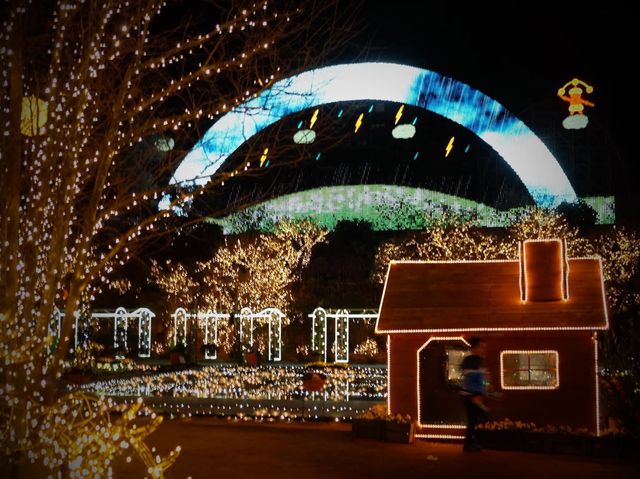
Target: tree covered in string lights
{"x": 254, "y": 271}
{"x": 453, "y": 239}
{"x": 251, "y": 271}
{"x": 259, "y": 272}
{"x": 99, "y": 102}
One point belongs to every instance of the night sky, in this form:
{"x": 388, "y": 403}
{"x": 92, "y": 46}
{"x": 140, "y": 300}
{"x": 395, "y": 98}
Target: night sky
{"x": 521, "y": 62}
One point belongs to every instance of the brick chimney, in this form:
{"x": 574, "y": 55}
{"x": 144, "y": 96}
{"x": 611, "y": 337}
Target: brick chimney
{"x": 544, "y": 270}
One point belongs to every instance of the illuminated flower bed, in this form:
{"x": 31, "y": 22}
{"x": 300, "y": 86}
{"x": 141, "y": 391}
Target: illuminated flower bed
{"x": 375, "y": 423}
{"x": 246, "y": 382}
{"x": 522, "y": 436}
{"x": 261, "y": 391}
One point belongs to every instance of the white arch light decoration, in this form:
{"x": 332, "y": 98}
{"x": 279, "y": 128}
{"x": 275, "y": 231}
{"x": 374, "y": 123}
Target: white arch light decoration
{"x": 511, "y": 138}
{"x": 341, "y": 317}
{"x": 120, "y": 319}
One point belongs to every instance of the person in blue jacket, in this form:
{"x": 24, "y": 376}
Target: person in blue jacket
{"x": 473, "y": 391}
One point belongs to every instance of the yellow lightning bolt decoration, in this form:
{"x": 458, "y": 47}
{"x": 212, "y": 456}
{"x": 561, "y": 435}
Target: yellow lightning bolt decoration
{"x": 359, "y": 122}
{"x": 314, "y": 117}
{"x": 399, "y": 114}
{"x": 263, "y": 158}
{"x": 449, "y": 146}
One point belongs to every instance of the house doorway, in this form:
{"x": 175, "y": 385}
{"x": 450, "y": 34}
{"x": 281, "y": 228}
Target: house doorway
{"x": 439, "y": 377}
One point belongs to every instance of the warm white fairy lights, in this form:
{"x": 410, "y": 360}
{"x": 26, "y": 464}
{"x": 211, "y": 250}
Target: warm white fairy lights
{"x": 121, "y": 318}
{"x": 75, "y": 208}
{"x": 596, "y": 382}
{"x": 212, "y": 388}
{"x": 368, "y": 348}
{"x": 341, "y": 317}
{"x": 341, "y": 342}
{"x": 319, "y": 331}
{"x": 253, "y": 273}
{"x": 452, "y": 437}
{"x": 388, "y": 374}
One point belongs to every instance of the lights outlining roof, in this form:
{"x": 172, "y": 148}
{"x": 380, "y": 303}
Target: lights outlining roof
{"x": 586, "y": 280}
{"x": 512, "y": 139}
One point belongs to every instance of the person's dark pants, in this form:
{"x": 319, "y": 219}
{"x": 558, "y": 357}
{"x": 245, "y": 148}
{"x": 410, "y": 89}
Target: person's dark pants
{"x": 474, "y": 416}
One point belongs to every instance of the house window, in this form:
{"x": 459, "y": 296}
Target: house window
{"x": 454, "y": 359}
{"x": 529, "y": 370}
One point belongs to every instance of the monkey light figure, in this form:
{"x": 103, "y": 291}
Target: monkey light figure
{"x": 576, "y": 119}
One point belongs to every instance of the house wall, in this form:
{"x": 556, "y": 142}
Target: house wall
{"x": 573, "y": 403}
{"x": 402, "y": 373}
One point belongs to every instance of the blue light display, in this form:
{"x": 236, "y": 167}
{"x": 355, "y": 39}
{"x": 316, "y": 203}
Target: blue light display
{"x": 511, "y": 138}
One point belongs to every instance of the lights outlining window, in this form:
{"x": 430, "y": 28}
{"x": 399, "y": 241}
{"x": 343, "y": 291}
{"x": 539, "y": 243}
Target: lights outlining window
{"x": 529, "y": 370}
{"x": 527, "y": 155}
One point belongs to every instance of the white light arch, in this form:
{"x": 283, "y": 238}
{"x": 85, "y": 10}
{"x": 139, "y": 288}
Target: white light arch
{"x": 511, "y": 138}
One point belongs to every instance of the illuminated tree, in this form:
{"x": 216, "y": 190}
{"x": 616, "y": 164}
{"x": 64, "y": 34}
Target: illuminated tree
{"x": 111, "y": 87}
{"x": 453, "y": 239}
{"x": 620, "y": 345}
{"x": 448, "y": 239}
{"x": 175, "y": 282}
{"x": 540, "y": 223}
{"x": 258, "y": 272}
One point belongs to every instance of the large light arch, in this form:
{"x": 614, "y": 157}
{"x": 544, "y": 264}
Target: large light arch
{"x": 511, "y": 138}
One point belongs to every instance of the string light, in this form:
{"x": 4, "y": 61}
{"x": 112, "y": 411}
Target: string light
{"x": 551, "y": 384}
{"x": 419, "y": 389}
{"x": 75, "y": 210}
{"x": 262, "y": 383}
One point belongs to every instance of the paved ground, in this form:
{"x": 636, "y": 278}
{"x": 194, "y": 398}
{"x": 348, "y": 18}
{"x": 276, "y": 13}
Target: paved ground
{"x": 218, "y": 448}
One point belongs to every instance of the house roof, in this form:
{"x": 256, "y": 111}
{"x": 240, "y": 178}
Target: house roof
{"x": 486, "y": 296}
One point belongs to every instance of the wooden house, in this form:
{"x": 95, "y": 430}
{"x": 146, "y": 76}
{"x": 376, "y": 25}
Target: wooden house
{"x": 538, "y": 316}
